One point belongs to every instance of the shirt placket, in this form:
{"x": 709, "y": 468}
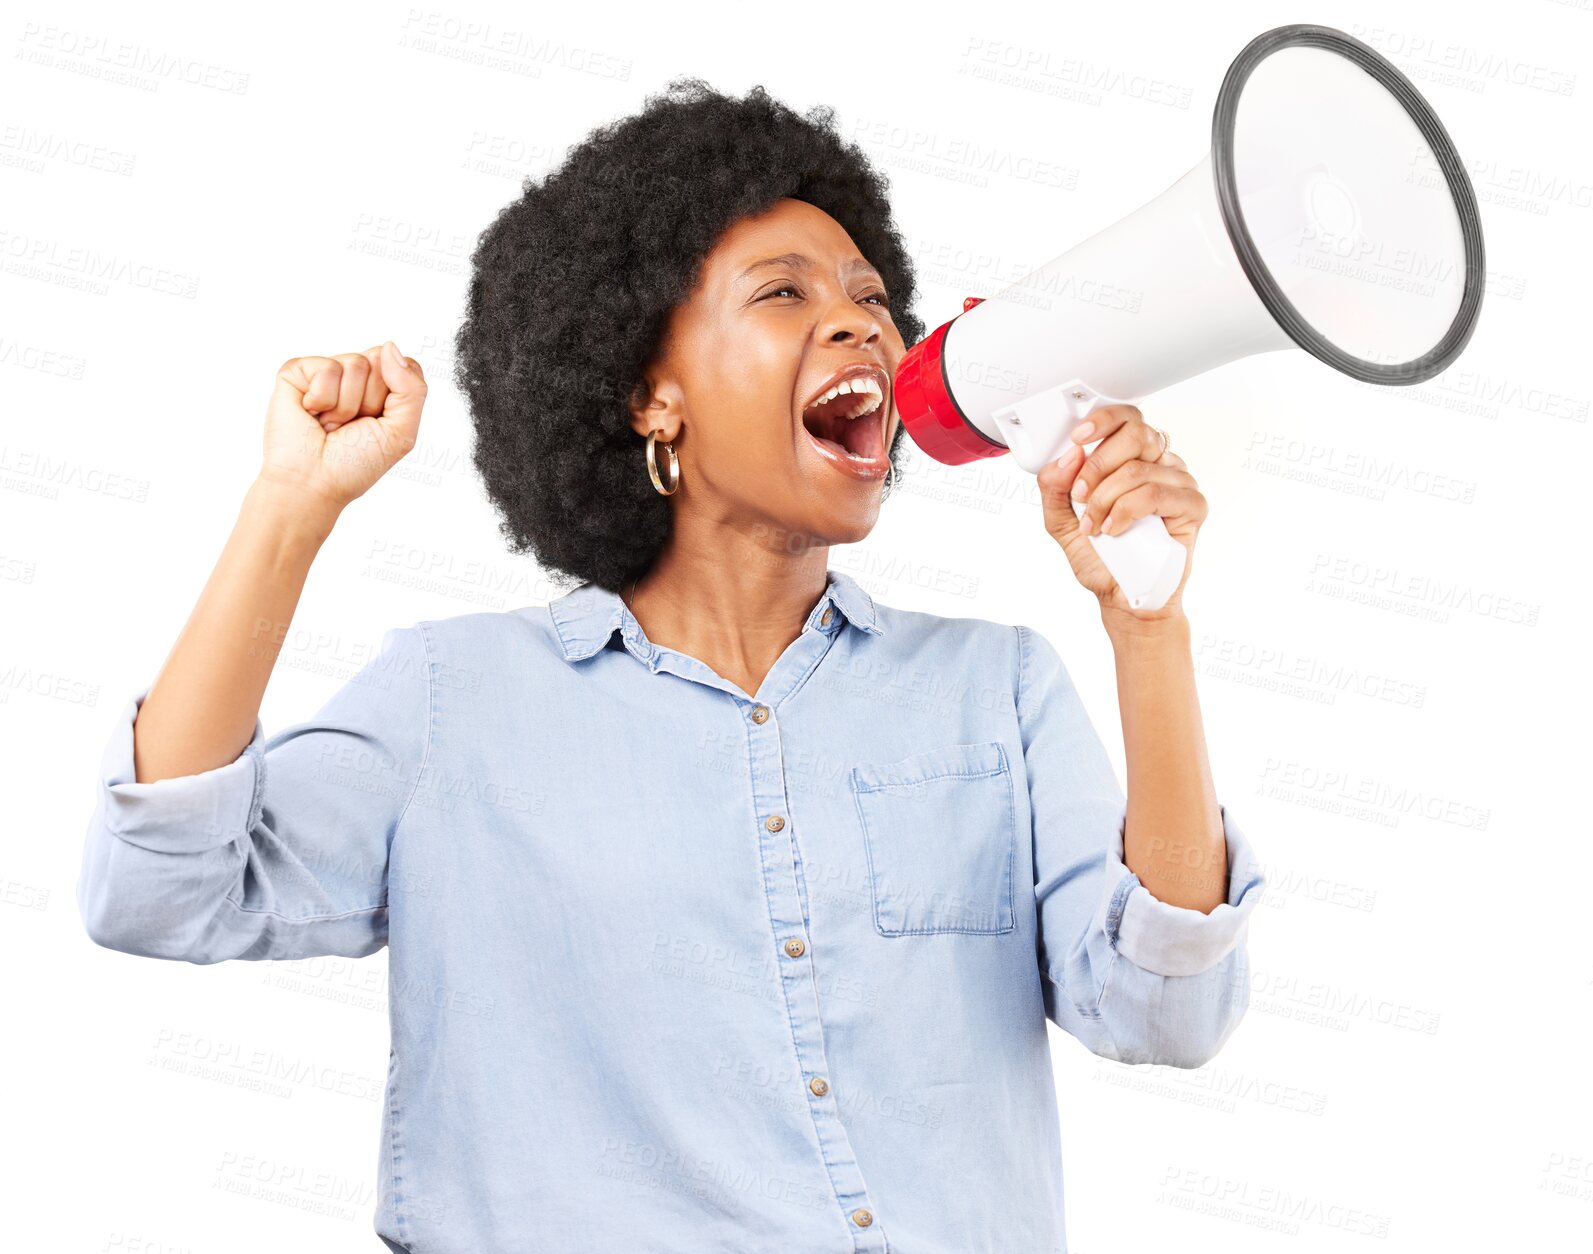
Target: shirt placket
{"x": 796, "y": 951}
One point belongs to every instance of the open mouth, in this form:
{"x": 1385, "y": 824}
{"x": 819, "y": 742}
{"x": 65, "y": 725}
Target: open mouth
{"x": 847, "y": 422}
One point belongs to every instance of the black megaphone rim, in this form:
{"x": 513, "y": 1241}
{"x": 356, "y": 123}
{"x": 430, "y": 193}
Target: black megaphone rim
{"x": 1278, "y": 305}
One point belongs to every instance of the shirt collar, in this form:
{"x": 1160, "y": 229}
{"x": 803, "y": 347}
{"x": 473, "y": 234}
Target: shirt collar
{"x": 588, "y": 615}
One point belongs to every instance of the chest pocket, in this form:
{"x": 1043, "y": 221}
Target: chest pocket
{"x": 939, "y": 832}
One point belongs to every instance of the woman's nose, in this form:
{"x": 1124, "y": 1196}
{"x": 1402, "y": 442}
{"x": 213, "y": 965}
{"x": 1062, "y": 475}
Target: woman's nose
{"x": 845, "y": 319}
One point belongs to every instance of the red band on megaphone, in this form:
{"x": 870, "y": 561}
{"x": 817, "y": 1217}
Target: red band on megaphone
{"x": 924, "y": 401}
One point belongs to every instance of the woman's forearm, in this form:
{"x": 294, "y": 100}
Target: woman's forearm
{"x": 201, "y": 709}
{"x": 1173, "y": 840}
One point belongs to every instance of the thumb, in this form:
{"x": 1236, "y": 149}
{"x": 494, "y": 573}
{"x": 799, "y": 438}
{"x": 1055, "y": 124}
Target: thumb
{"x": 399, "y": 372}
{"x": 1055, "y": 482}
{"x": 406, "y": 388}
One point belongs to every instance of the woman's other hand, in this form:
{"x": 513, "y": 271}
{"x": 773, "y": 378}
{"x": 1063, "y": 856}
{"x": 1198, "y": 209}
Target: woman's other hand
{"x": 335, "y": 425}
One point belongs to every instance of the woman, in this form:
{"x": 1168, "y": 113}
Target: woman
{"x": 726, "y": 907}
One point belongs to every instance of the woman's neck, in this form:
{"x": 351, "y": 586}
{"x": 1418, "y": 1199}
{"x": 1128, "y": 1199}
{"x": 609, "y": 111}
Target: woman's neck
{"x": 732, "y": 605}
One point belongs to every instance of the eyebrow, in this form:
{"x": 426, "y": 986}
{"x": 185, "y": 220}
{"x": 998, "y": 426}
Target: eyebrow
{"x": 799, "y": 262}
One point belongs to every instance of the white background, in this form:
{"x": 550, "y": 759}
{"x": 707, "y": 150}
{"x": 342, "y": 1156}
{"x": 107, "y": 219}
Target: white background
{"x": 1386, "y": 599}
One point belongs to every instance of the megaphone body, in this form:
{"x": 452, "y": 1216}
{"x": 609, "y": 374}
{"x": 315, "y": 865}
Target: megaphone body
{"x": 1316, "y": 221}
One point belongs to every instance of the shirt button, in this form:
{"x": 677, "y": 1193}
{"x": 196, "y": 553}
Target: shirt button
{"x": 774, "y": 822}
{"x": 825, "y": 621}
{"x": 795, "y": 947}
{"x": 862, "y": 1218}
{"x": 819, "y": 1085}
{"x": 761, "y": 714}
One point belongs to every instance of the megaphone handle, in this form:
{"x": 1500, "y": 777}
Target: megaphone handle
{"x": 1146, "y": 561}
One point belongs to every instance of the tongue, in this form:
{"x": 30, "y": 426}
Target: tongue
{"x": 839, "y": 449}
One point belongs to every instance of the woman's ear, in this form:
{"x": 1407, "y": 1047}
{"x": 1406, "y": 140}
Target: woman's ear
{"x": 654, "y": 407}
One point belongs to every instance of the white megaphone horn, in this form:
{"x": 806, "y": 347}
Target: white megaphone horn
{"x": 1332, "y": 214}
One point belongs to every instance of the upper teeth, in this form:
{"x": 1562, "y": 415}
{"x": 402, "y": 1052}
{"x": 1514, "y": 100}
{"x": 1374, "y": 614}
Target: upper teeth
{"x": 861, "y": 384}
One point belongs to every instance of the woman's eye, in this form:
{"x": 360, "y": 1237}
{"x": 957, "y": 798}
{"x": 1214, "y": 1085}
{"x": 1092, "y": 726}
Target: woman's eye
{"x": 883, "y": 300}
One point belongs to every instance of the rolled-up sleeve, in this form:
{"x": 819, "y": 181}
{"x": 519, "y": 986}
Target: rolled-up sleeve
{"x": 1132, "y": 977}
{"x": 281, "y": 853}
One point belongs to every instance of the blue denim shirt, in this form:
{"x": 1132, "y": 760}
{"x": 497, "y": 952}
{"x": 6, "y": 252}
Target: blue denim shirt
{"x": 674, "y": 968}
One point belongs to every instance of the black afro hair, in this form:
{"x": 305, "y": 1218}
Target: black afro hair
{"x": 572, "y": 286}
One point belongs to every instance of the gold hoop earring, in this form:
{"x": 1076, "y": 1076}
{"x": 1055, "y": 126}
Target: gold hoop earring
{"x": 652, "y": 465}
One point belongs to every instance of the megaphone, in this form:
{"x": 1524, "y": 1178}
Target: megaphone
{"x": 1332, "y": 214}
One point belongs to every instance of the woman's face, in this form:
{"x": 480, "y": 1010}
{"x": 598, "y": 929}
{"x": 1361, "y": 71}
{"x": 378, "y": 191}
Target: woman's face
{"x": 784, "y": 301}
